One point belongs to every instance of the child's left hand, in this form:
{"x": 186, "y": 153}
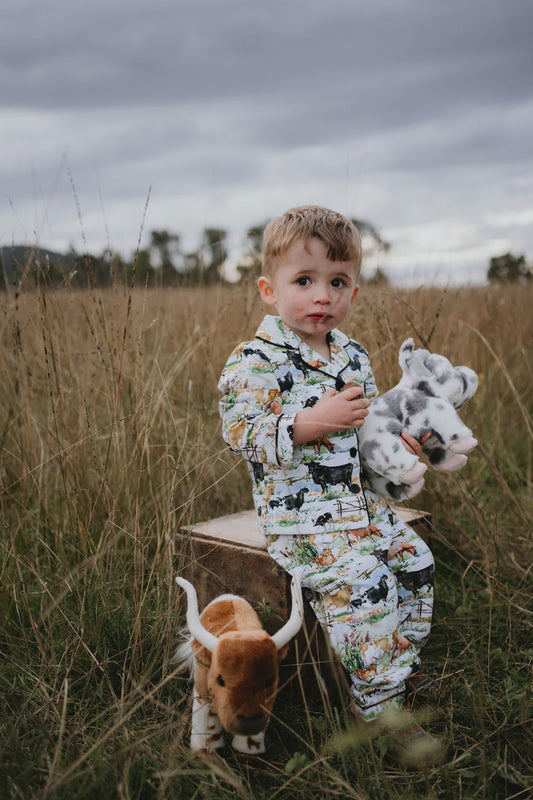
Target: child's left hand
{"x": 412, "y": 445}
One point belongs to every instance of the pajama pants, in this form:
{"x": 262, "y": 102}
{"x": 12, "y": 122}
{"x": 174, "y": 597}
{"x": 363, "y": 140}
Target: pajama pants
{"x": 372, "y": 591}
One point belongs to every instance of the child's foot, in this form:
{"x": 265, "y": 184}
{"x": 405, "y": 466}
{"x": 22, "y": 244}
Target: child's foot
{"x": 421, "y": 687}
{"x": 411, "y": 746}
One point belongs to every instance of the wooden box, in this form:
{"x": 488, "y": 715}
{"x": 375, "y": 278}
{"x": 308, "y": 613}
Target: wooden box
{"x": 228, "y": 555}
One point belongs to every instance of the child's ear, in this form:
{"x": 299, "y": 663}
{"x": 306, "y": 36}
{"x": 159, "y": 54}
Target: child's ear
{"x": 354, "y": 293}
{"x": 266, "y": 290}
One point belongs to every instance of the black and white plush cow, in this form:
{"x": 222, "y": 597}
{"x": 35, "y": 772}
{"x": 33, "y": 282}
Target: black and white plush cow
{"x": 425, "y": 399}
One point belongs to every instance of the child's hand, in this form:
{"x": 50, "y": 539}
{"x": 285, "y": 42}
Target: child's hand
{"x": 345, "y": 409}
{"x": 412, "y": 445}
{"x": 334, "y": 411}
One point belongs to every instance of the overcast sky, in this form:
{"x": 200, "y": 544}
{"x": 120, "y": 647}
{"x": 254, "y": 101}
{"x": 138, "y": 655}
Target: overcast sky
{"x": 416, "y": 115}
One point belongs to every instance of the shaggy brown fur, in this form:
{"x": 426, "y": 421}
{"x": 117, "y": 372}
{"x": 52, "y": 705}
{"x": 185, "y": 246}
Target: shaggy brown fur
{"x": 241, "y": 676}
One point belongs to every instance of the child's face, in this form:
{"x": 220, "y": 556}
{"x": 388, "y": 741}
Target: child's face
{"x": 311, "y": 293}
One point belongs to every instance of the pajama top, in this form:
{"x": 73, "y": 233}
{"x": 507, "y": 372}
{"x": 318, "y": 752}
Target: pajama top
{"x": 297, "y": 489}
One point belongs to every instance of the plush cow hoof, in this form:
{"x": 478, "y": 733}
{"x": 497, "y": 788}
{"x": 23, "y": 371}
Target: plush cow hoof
{"x": 207, "y": 742}
{"x": 413, "y": 475}
{"x": 209, "y": 747}
{"x": 452, "y": 464}
{"x": 464, "y": 445}
{"x": 249, "y": 745}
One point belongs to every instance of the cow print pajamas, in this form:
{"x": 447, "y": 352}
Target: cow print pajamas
{"x": 368, "y": 576}
{"x": 372, "y": 591}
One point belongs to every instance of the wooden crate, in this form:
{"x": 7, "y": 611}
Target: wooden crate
{"x": 228, "y": 555}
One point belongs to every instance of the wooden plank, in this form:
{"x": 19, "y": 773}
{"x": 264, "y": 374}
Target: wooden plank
{"x": 242, "y": 529}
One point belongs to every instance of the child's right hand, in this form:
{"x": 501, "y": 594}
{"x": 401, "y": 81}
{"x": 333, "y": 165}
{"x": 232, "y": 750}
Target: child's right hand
{"x": 345, "y": 409}
{"x": 334, "y": 411}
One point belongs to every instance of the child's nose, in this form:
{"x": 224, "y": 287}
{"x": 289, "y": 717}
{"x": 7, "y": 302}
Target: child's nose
{"x": 322, "y": 295}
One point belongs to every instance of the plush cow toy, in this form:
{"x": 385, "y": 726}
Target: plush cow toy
{"x": 235, "y": 666}
{"x": 425, "y": 399}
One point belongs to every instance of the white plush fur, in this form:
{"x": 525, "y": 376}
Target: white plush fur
{"x": 425, "y": 399}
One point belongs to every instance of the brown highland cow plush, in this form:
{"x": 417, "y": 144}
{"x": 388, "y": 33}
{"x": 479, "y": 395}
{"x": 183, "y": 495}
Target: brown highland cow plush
{"x": 235, "y": 666}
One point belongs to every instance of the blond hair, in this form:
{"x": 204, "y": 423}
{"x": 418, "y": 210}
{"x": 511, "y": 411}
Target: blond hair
{"x": 338, "y": 233}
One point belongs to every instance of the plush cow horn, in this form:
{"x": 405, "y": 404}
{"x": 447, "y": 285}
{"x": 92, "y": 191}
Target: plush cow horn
{"x": 196, "y": 628}
{"x": 294, "y": 623}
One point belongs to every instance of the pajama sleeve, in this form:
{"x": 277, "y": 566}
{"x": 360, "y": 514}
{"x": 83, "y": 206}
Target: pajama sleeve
{"x": 253, "y": 424}
{"x": 371, "y": 389}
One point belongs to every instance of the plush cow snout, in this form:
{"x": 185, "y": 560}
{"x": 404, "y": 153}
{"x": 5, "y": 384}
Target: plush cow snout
{"x": 248, "y": 726}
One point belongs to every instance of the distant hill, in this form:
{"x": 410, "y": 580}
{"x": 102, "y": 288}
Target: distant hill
{"x": 19, "y": 260}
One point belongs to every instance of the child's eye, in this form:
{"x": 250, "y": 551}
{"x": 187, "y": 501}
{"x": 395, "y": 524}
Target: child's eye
{"x": 303, "y": 281}
{"x": 337, "y": 283}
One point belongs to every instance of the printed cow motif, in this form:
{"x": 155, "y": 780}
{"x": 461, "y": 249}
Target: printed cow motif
{"x": 374, "y": 595}
{"x": 424, "y": 400}
{"x": 414, "y": 581}
{"x": 290, "y": 501}
{"x": 326, "y": 475}
{"x": 339, "y": 599}
{"x": 323, "y": 519}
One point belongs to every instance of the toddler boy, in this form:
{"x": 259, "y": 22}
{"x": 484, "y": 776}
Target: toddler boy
{"x": 293, "y": 399}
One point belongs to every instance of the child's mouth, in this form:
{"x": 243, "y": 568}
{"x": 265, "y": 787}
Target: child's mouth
{"x": 320, "y": 317}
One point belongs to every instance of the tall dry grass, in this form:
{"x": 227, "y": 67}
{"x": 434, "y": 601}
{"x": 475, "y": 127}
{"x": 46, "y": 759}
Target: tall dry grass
{"x": 110, "y": 440}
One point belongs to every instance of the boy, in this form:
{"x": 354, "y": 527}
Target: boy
{"x": 293, "y": 400}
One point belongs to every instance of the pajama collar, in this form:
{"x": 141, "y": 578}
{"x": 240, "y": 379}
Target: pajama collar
{"x": 274, "y": 331}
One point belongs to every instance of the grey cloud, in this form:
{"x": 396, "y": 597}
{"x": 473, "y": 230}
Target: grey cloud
{"x": 120, "y": 53}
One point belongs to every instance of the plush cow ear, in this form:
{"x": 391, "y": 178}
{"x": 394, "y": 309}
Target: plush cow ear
{"x": 282, "y": 652}
{"x": 469, "y": 381}
{"x": 202, "y": 656}
{"x": 411, "y": 361}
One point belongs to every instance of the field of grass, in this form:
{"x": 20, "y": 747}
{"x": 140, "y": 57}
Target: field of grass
{"x": 110, "y": 440}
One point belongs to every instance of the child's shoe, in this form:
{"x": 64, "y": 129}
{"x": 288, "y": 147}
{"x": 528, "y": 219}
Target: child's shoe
{"x": 411, "y": 746}
{"x": 421, "y": 687}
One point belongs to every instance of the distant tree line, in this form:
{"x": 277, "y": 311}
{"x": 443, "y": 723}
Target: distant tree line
{"x": 164, "y": 262}
{"x": 509, "y": 269}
